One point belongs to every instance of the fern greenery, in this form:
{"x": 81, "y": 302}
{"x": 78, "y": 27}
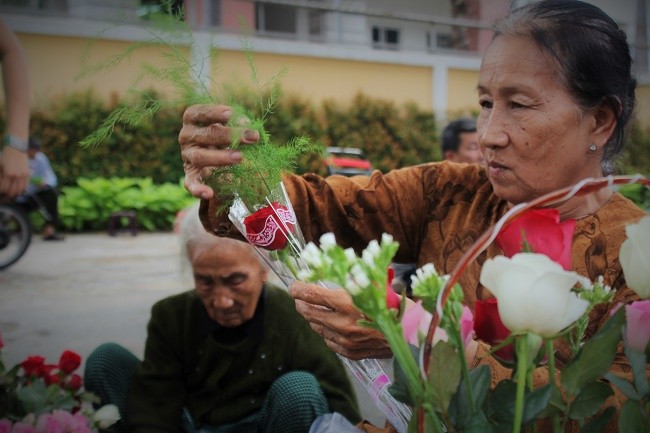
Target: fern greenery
{"x": 263, "y": 163}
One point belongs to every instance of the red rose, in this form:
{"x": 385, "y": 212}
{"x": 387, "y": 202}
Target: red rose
{"x": 2, "y": 343}
{"x": 73, "y": 383}
{"x": 489, "y": 328}
{"x": 51, "y": 379}
{"x": 544, "y": 233}
{"x": 33, "y": 365}
{"x": 269, "y": 227}
{"x": 393, "y": 301}
{"x": 69, "y": 361}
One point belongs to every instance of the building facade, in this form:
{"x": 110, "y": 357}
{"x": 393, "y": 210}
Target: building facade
{"x": 425, "y": 52}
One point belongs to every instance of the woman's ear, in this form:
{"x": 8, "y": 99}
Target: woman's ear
{"x": 605, "y": 122}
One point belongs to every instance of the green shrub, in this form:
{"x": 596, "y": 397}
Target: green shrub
{"x": 87, "y": 206}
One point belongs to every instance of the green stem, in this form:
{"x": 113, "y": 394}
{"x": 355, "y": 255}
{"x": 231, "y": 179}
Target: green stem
{"x": 403, "y": 355}
{"x": 522, "y": 372}
{"x": 463, "y": 362}
{"x": 550, "y": 354}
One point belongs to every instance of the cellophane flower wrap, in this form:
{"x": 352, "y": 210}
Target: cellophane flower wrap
{"x": 40, "y": 397}
{"x": 538, "y": 301}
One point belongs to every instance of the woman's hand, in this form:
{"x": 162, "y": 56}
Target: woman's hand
{"x": 205, "y": 144}
{"x": 331, "y": 314}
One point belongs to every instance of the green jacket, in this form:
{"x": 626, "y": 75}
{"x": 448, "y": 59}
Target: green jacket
{"x": 222, "y": 375}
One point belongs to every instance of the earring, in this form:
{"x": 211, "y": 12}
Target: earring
{"x": 592, "y": 147}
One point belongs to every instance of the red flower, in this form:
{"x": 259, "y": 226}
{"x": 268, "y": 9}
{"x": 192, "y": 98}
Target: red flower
{"x": 2, "y": 343}
{"x": 69, "y": 361}
{"x": 544, "y": 233}
{"x": 33, "y": 365}
{"x": 51, "y": 379}
{"x": 269, "y": 227}
{"x": 489, "y": 328}
{"x": 73, "y": 383}
{"x": 393, "y": 301}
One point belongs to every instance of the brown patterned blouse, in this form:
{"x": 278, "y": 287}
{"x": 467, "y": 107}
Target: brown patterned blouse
{"x": 436, "y": 211}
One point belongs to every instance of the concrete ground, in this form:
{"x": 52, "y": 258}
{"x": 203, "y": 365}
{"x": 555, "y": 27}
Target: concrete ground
{"x": 90, "y": 289}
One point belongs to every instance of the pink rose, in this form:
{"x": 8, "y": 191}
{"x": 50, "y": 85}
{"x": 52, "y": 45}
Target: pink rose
{"x": 21, "y": 427}
{"x": 393, "y": 300}
{"x": 270, "y": 226}
{"x": 467, "y": 326}
{"x": 544, "y": 233}
{"x": 5, "y": 426}
{"x": 415, "y": 321}
{"x": 637, "y": 329}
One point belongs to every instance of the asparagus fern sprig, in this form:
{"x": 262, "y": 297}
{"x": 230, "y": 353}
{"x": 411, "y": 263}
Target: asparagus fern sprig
{"x": 263, "y": 163}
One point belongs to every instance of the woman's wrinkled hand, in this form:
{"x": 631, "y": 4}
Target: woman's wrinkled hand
{"x": 331, "y": 314}
{"x": 205, "y": 144}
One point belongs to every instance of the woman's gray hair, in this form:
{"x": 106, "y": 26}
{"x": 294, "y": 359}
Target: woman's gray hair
{"x": 192, "y": 233}
{"x": 592, "y": 57}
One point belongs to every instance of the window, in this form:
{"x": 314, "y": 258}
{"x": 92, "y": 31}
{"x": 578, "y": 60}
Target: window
{"x": 276, "y": 19}
{"x": 385, "y": 38}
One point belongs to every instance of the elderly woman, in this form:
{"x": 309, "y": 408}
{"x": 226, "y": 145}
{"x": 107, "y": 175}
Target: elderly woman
{"x": 231, "y": 355}
{"x": 556, "y": 94}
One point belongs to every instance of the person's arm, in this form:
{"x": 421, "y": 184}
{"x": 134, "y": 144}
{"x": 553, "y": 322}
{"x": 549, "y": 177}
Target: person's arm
{"x": 14, "y": 168}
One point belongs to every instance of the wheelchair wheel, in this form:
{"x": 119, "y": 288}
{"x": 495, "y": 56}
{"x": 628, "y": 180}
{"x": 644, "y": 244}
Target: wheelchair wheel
{"x": 15, "y": 235}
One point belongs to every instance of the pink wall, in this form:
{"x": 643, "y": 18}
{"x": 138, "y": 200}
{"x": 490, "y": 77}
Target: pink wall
{"x": 234, "y": 12}
{"x": 490, "y": 11}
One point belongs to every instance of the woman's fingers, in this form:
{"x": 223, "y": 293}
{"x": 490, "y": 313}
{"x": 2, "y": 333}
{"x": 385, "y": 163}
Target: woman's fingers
{"x": 205, "y": 144}
{"x": 332, "y": 315}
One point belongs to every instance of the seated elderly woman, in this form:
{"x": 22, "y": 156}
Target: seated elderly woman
{"x": 231, "y": 355}
{"x": 556, "y": 93}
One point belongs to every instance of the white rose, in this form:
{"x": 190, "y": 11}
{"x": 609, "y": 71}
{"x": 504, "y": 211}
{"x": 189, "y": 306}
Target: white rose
{"x": 635, "y": 257}
{"x": 534, "y": 293}
{"x": 106, "y": 416}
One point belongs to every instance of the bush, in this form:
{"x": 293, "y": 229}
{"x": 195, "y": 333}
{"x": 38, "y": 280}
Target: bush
{"x": 87, "y": 206}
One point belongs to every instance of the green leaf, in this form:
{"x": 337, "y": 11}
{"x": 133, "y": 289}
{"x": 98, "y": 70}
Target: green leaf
{"x": 626, "y": 387}
{"x": 597, "y": 423}
{"x": 445, "y": 374}
{"x": 478, "y": 423}
{"x": 398, "y": 388}
{"x": 502, "y": 403}
{"x": 535, "y": 402}
{"x": 638, "y": 362}
{"x": 590, "y": 399}
{"x": 595, "y": 357}
{"x": 460, "y": 407}
{"x": 632, "y": 420}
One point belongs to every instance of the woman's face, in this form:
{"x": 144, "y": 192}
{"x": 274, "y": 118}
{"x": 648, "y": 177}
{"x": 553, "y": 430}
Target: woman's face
{"x": 228, "y": 279}
{"x": 534, "y": 137}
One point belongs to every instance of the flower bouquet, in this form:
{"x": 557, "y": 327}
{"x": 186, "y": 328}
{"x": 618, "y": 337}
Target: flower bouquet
{"x": 37, "y": 397}
{"x": 538, "y": 302}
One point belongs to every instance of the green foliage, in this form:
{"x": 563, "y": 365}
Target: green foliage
{"x": 88, "y": 205}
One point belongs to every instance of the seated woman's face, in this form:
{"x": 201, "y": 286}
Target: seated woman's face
{"x": 228, "y": 279}
{"x": 534, "y": 137}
